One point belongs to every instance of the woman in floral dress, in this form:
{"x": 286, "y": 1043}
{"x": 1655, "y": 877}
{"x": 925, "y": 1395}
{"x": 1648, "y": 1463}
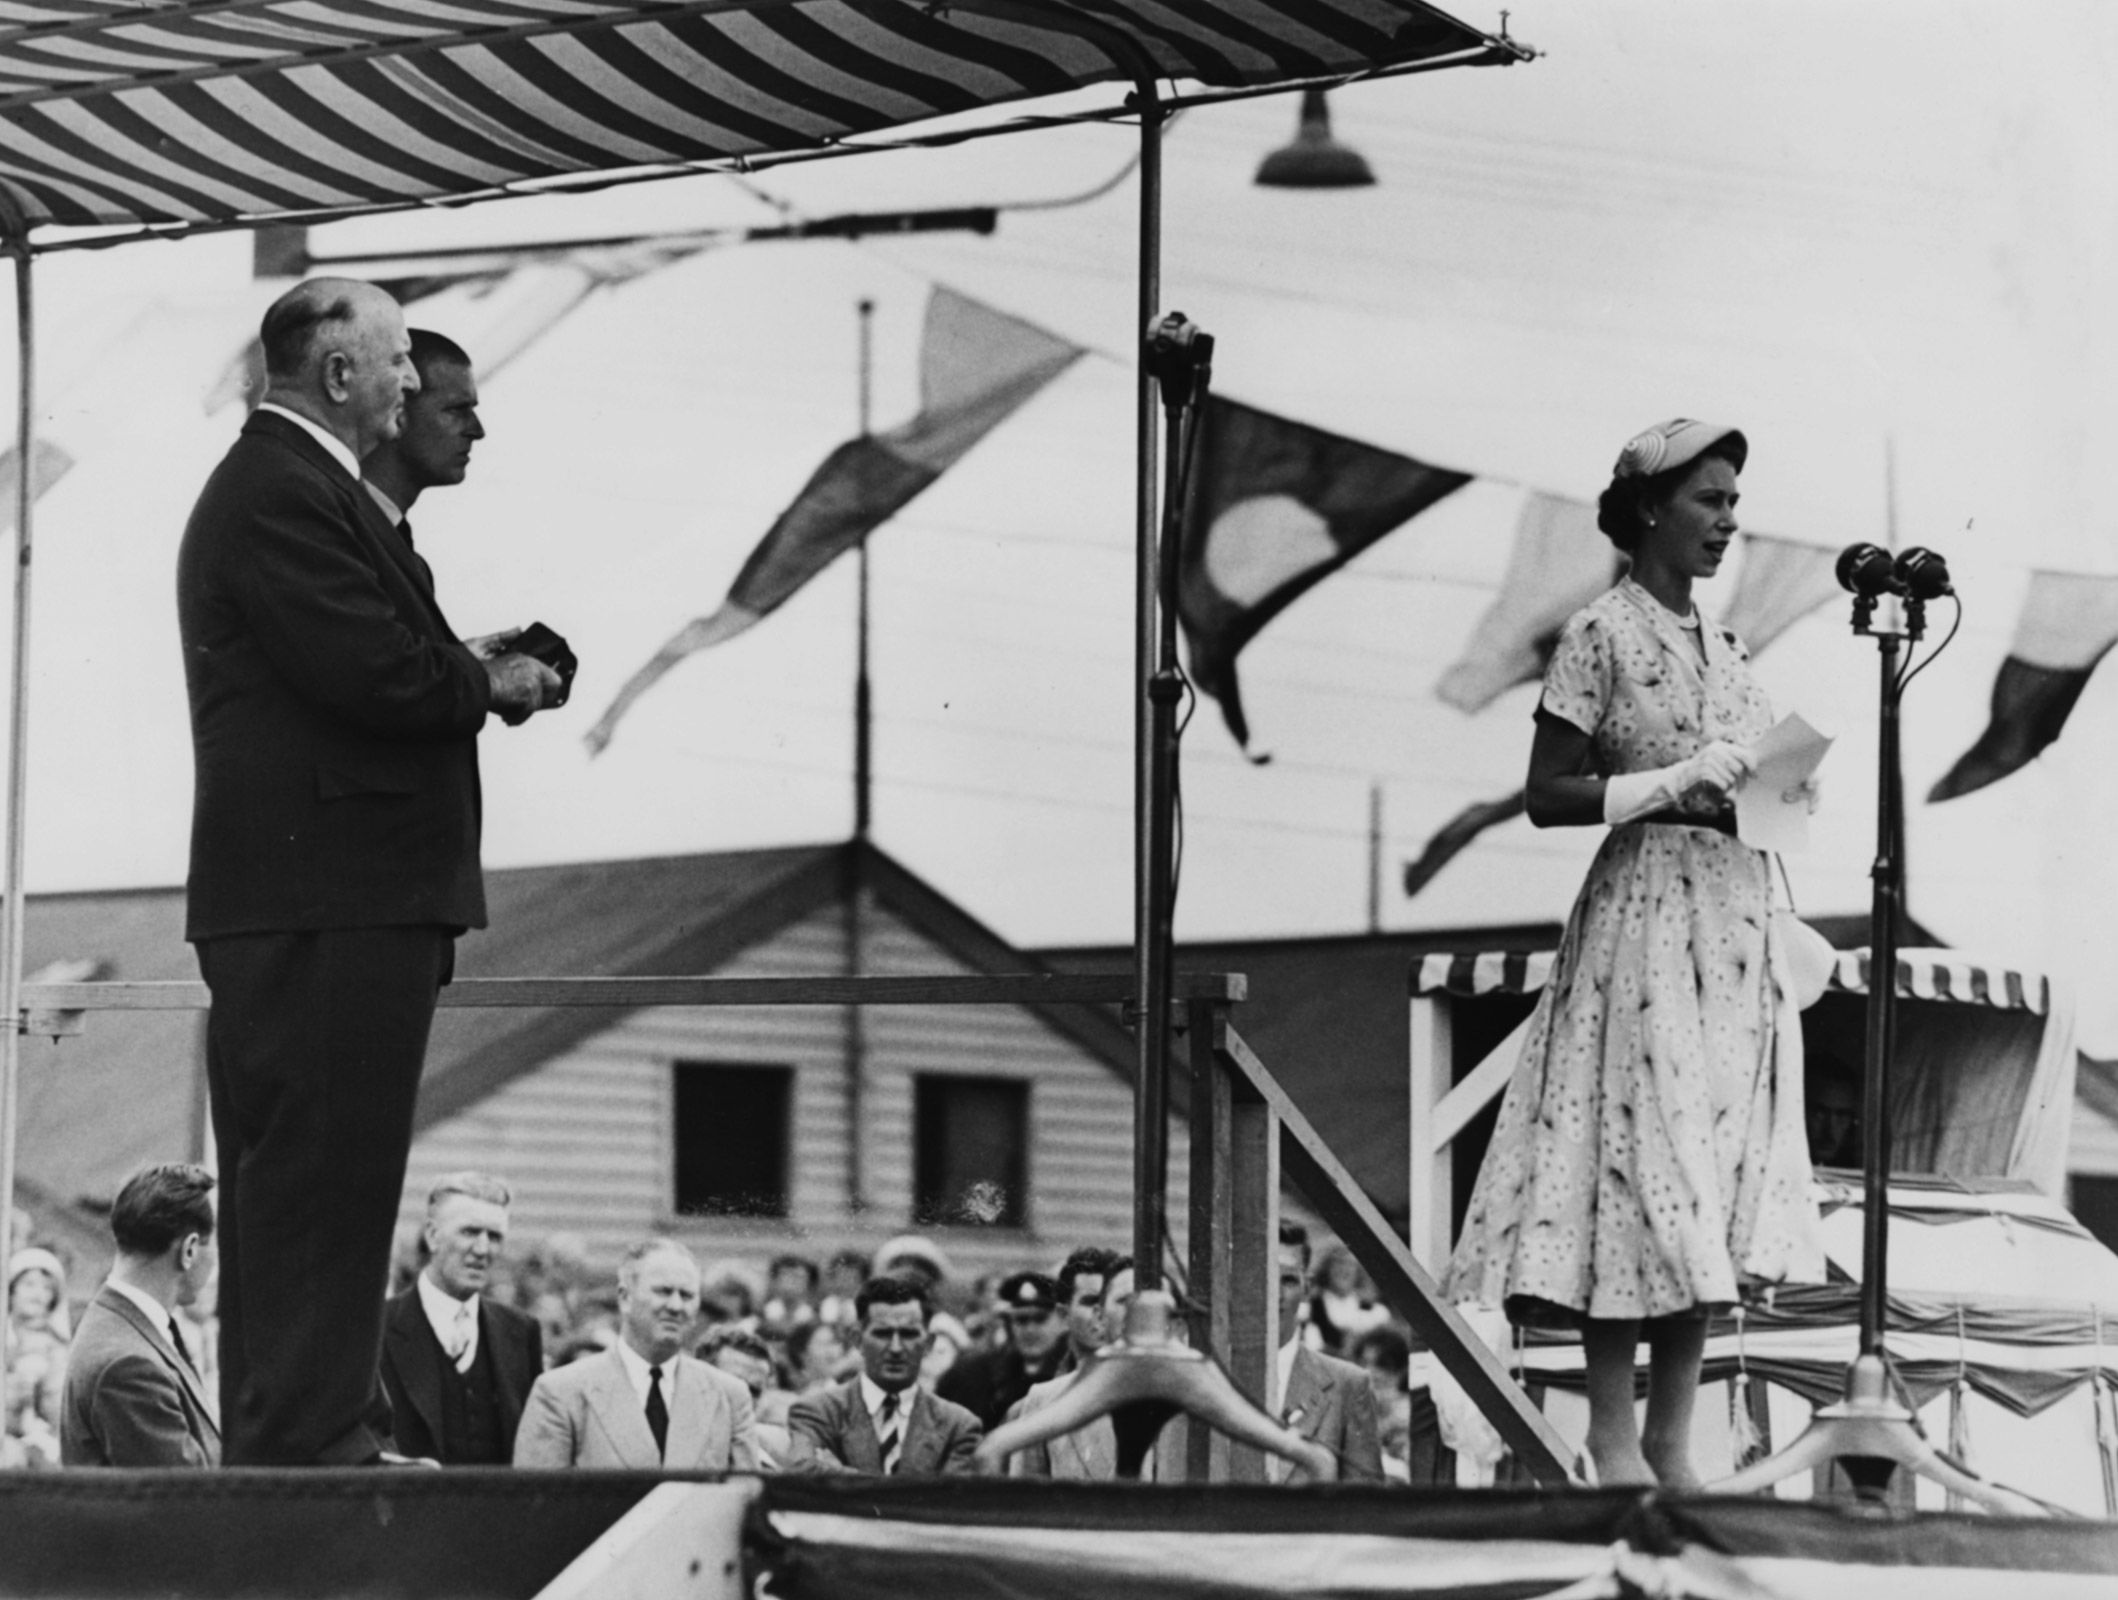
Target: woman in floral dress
{"x": 1649, "y": 1164}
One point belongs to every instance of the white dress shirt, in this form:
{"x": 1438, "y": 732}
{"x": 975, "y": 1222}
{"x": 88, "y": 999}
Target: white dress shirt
{"x": 450, "y": 1319}
{"x": 390, "y": 508}
{"x": 636, "y": 1369}
{"x": 340, "y": 452}
{"x": 158, "y": 1315}
{"x": 1284, "y": 1376}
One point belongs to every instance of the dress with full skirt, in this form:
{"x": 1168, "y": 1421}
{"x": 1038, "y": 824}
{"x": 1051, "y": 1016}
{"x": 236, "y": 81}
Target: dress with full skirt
{"x": 1650, "y": 1157}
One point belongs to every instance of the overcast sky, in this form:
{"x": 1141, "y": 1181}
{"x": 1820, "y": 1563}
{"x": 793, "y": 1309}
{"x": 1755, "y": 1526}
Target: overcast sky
{"x": 1850, "y": 230}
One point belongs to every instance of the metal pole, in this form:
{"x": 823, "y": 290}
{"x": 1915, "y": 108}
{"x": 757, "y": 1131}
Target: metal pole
{"x": 863, "y": 812}
{"x": 11, "y": 925}
{"x": 1882, "y": 1008}
{"x": 1152, "y": 800}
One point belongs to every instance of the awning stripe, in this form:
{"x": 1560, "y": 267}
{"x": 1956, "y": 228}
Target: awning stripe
{"x": 147, "y": 114}
{"x": 1473, "y": 973}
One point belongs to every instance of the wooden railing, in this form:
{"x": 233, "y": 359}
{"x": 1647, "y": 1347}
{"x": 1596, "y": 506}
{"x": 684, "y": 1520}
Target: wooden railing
{"x": 1246, "y": 1134}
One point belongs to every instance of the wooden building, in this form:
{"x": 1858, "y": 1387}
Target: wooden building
{"x": 1004, "y": 1133}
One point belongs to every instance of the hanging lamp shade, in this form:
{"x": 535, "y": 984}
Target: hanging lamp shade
{"x": 1315, "y": 160}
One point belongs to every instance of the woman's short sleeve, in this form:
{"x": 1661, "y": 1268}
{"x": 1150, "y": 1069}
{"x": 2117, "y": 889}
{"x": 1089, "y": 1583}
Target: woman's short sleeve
{"x": 1577, "y": 683}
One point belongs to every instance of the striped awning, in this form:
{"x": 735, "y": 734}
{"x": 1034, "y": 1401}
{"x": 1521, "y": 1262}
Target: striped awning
{"x": 1921, "y": 975}
{"x": 211, "y": 112}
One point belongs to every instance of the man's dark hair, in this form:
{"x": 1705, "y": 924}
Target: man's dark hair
{"x": 1295, "y": 1233}
{"x": 853, "y": 1258}
{"x": 807, "y": 1264}
{"x": 1390, "y": 1348}
{"x": 159, "y": 1205}
{"x": 891, "y": 1291}
{"x": 291, "y": 326}
{"x": 1090, "y": 1261}
{"x": 431, "y": 349}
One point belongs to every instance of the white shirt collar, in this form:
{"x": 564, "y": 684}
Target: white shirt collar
{"x": 443, "y": 1308}
{"x": 636, "y": 1369}
{"x": 340, "y": 452}
{"x": 873, "y": 1394}
{"x": 1286, "y": 1370}
{"x": 390, "y": 508}
{"x": 159, "y": 1316}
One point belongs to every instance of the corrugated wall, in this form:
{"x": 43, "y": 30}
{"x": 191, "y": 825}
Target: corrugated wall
{"x": 584, "y": 1139}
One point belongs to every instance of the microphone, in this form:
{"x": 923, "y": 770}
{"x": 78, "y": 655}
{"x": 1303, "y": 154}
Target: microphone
{"x": 1868, "y": 571}
{"x": 1922, "y": 573}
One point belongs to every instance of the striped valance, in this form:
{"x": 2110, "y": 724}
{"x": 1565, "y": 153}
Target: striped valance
{"x": 1921, "y": 975}
{"x": 211, "y": 111}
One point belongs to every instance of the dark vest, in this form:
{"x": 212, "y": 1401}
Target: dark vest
{"x": 471, "y": 1432}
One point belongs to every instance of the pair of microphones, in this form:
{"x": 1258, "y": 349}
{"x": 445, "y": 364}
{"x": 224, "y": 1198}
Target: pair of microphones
{"x": 1871, "y": 572}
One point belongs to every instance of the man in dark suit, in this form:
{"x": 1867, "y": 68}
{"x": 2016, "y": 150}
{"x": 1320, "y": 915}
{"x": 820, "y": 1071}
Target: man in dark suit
{"x": 1325, "y": 1400}
{"x": 643, "y": 1404}
{"x": 882, "y": 1421}
{"x": 132, "y": 1396}
{"x": 334, "y": 859}
{"x": 456, "y": 1365}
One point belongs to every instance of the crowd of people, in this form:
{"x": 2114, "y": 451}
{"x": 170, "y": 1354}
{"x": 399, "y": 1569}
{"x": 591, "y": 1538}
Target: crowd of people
{"x": 501, "y": 1351}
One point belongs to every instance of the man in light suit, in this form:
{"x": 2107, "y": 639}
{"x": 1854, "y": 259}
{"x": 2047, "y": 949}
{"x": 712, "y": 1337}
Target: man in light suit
{"x": 334, "y": 860}
{"x": 643, "y": 1404}
{"x": 1090, "y": 1453}
{"x": 1325, "y": 1400}
{"x": 457, "y": 1365}
{"x": 881, "y": 1421}
{"x": 132, "y": 1396}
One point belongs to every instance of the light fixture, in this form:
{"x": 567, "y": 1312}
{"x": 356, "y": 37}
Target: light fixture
{"x": 1315, "y": 160}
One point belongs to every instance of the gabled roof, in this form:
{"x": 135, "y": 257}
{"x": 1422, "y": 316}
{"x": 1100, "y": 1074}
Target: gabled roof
{"x": 129, "y": 1090}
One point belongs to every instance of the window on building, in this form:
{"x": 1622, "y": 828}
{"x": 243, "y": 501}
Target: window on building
{"x": 2093, "y": 1198}
{"x": 970, "y": 1151}
{"x": 733, "y": 1139}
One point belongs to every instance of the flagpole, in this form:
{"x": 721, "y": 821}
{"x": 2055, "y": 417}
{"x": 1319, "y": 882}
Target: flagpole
{"x": 863, "y": 814}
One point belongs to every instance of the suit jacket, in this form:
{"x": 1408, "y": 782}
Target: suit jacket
{"x": 130, "y": 1400}
{"x": 831, "y": 1431}
{"x": 587, "y": 1414}
{"x": 1328, "y": 1402}
{"x": 334, "y": 712}
{"x": 1090, "y": 1453}
{"x": 413, "y": 1362}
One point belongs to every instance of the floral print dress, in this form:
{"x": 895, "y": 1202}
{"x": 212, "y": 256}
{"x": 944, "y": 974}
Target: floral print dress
{"x": 1650, "y": 1158}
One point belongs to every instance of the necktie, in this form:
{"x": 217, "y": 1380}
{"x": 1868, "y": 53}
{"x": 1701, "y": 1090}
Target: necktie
{"x": 460, "y": 1332}
{"x": 888, "y": 1434}
{"x": 657, "y": 1412}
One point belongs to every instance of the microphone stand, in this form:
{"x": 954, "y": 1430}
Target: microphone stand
{"x": 1870, "y": 1433}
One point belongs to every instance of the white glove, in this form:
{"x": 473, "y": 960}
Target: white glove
{"x": 1719, "y": 769}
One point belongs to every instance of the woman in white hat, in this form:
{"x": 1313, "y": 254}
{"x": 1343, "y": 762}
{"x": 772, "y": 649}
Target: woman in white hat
{"x": 1649, "y": 1162}
{"x": 37, "y": 1331}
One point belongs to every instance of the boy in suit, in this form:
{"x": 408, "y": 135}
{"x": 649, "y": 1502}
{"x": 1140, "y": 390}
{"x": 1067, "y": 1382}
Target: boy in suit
{"x": 881, "y": 1421}
{"x": 132, "y": 1396}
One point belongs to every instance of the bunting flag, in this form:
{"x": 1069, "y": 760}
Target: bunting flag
{"x": 52, "y": 462}
{"x": 1561, "y": 561}
{"x": 1457, "y": 833}
{"x": 977, "y": 367}
{"x": 1275, "y": 507}
{"x": 2069, "y": 621}
{"x": 1780, "y": 583}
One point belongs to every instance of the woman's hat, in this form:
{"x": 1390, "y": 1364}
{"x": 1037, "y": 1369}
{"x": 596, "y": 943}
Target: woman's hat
{"x": 34, "y": 1259}
{"x": 1672, "y": 444}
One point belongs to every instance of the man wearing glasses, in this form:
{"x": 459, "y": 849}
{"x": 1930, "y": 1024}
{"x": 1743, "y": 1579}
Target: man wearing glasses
{"x": 881, "y": 1421}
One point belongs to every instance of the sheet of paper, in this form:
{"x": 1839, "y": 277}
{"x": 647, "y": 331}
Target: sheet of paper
{"x": 1771, "y": 811}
